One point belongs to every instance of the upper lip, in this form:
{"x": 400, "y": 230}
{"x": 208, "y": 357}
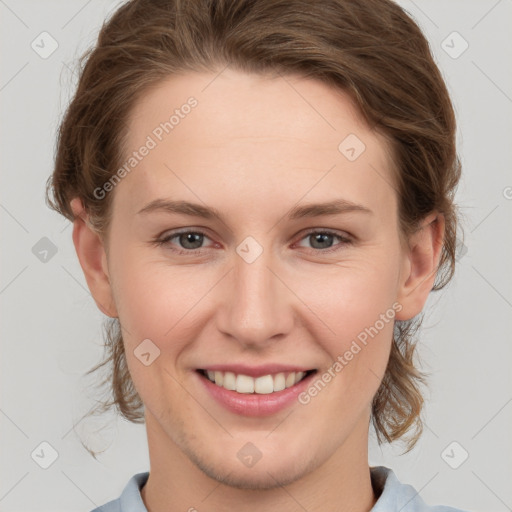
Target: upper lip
{"x": 256, "y": 371}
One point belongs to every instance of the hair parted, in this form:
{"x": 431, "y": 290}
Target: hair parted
{"x": 372, "y": 50}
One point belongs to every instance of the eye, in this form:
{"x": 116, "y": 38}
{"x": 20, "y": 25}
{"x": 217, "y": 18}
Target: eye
{"x": 322, "y": 240}
{"x": 189, "y": 241}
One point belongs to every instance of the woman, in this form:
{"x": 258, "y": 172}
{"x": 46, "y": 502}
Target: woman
{"x": 262, "y": 197}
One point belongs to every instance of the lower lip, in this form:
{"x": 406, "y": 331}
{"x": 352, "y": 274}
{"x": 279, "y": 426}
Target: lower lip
{"x": 252, "y": 404}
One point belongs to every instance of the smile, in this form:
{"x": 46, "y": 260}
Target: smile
{"x": 254, "y": 390}
{"x": 264, "y": 385}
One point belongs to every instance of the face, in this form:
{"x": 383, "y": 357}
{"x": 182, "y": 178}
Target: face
{"x": 268, "y": 287}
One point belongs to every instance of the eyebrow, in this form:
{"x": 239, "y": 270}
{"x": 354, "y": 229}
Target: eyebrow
{"x": 335, "y": 207}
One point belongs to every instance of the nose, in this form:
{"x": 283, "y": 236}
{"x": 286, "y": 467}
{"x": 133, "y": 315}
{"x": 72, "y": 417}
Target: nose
{"x": 257, "y": 306}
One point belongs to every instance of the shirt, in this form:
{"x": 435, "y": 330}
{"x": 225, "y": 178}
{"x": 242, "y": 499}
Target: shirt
{"x": 393, "y": 495}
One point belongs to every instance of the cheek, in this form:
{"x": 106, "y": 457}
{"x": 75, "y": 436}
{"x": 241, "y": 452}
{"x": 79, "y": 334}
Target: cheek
{"x": 357, "y": 301}
{"x": 358, "y": 354}
{"x": 351, "y": 296}
{"x": 158, "y": 301}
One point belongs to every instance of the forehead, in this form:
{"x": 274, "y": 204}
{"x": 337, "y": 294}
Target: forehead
{"x": 216, "y": 135}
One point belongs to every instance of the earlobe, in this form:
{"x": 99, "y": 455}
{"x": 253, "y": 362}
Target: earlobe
{"x": 420, "y": 266}
{"x": 91, "y": 254}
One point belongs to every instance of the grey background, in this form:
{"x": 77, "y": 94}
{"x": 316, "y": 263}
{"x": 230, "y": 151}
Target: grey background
{"x": 51, "y": 329}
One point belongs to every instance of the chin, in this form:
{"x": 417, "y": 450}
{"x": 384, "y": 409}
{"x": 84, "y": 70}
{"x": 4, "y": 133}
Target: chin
{"x": 253, "y": 479}
{"x": 264, "y": 475}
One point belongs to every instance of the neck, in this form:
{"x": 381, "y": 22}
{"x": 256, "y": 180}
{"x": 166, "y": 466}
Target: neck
{"x": 341, "y": 483}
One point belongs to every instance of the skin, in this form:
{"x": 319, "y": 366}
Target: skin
{"x": 255, "y": 147}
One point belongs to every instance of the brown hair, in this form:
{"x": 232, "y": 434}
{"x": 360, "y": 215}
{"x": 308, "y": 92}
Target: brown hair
{"x": 372, "y": 50}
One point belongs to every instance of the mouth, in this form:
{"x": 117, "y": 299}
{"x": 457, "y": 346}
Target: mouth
{"x": 262, "y": 385}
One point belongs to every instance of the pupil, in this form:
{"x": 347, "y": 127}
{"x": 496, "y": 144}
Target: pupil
{"x": 321, "y": 237}
{"x": 192, "y": 238}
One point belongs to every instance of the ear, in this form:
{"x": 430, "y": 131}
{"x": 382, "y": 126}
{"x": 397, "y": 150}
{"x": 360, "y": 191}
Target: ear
{"x": 419, "y": 270}
{"x": 93, "y": 259}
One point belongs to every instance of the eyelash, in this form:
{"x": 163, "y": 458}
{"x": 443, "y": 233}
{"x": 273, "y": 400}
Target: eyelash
{"x": 167, "y": 238}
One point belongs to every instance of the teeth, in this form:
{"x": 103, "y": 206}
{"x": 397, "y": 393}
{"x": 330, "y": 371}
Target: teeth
{"x": 279, "y": 382}
{"x": 263, "y": 385}
{"x": 229, "y": 381}
{"x": 244, "y": 384}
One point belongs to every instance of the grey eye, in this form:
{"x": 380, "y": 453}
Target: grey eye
{"x": 321, "y": 240}
{"x": 190, "y": 240}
